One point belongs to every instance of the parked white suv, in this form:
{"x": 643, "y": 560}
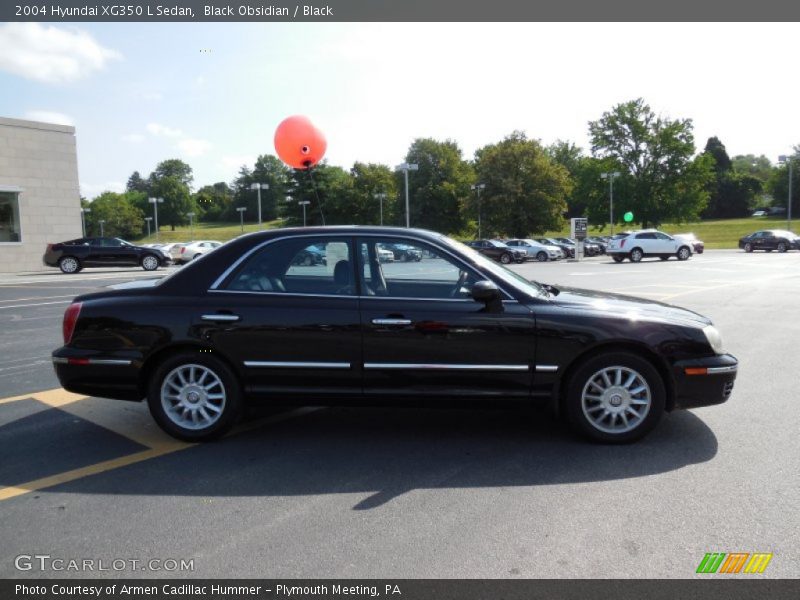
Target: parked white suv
{"x": 648, "y": 242}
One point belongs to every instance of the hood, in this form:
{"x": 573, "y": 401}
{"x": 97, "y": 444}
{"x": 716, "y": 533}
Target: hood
{"x": 627, "y": 306}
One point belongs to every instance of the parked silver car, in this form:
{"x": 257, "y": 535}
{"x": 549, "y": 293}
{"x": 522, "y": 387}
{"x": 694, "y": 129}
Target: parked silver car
{"x": 184, "y": 253}
{"x": 534, "y": 249}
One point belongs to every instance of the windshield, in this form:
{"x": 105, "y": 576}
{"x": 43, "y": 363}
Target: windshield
{"x": 506, "y": 275}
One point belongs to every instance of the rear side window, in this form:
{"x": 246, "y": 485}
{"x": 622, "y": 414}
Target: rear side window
{"x": 320, "y": 266}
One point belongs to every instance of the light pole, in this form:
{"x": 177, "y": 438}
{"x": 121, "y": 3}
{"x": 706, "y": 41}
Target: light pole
{"x": 405, "y": 168}
{"x": 191, "y": 224}
{"x": 610, "y": 176}
{"x": 380, "y": 197}
{"x": 102, "y": 232}
{"x": 155, "y": 202}
{"x": 241, "y": 210}
{"x": 478, "y": 188}
{"x": 148, "y": 219}
{"x": 304, "y": 203}
{"x": 259, "y": 187}
{"x": 783, "y": 159}
{"x": 83, "y": 219}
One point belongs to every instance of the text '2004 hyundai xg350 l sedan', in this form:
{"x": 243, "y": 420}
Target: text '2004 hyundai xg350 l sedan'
{"x": 250, "y": 323}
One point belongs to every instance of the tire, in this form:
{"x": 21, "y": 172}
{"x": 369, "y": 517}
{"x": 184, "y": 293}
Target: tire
{"x": 617, "y": 258}
{"x": 541, "y": 257}
{"x": 596, "y": 409}
{"x": 748, "y": 247}
{"x": 178, "y": 384}
{"x": 782, "y": 247}
{"x": 636, "y": 255}
{"x": 683, "y": 253}
{"x": 69, "y": 265}
{"x": 505, "y": 258}
{"x": 150, "y": 262}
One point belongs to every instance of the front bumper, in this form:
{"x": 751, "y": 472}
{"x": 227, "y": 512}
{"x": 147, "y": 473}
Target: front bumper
{"x": 704, "y": 381}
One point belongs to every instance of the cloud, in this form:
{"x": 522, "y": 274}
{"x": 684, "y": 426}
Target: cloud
{"x": 47, "y": 116}
{"x": 50, "y": 54}
{"x": 133, "y": 138}
{"x": 193, "y": 147}
{"x": 162, "y": 130}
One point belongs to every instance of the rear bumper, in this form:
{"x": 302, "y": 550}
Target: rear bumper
{"x": 94, "y": 374}
{"x": 704, "y": 381}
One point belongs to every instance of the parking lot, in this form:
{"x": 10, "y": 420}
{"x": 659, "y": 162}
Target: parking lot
{"x": 385, "y": 492}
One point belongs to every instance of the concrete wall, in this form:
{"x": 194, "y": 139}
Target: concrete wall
{"x": 40, "y": 159}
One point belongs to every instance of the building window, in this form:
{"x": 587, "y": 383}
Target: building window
{"x": 9, "y": 217}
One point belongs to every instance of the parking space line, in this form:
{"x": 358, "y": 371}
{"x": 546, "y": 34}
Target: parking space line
{"x": 39, "y": 304}
{"x": 39, "y": 298}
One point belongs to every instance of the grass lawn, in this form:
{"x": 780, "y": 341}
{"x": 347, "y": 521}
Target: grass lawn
{"x": 721, "y": 233}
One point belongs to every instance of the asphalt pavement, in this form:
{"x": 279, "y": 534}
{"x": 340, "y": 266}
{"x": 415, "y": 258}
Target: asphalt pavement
{"x": 386, "y": 492}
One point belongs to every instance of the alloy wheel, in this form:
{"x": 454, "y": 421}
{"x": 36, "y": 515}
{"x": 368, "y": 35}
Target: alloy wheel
{"x": 193, "y": 396}
{"x": 616, "y": 399}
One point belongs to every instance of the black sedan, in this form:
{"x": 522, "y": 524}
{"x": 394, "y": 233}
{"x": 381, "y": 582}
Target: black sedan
{"x": 499, "y": 251}
{"x": 74, "y": 255}
{"x": 246, "y": 324}
{"x": 769, "y": 240}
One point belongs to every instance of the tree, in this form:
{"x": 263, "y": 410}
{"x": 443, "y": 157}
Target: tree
{"x": 716, "y": 149}
{"x": 441, "y": 186}
{"x": 122, "y": 218}
{"x": 177, "y": 201}
{"x": 269, "y": 170}
{"x": 214, "y": 201}
{"x": 175, "y": 168}
{"x": 369, "y": 180}
{"x": 731, "y": 194}
{"x": 756, "y": 166}
{"x": 656, "y": 152}
{"x": 778, "y": 183}
{"x": 525, "y": 189}
{"x": 326, "y": 188}
{"x": 136, "y": 183}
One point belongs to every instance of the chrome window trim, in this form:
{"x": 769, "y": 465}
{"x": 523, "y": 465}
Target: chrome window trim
{"x": 546, "y": 368}
{"x": 350, "y": 235}
{"x": 721, "y": 370}
{"x": 442, "y": 367}
{"x": 349, "y": 297}
{"x": 280, "y": 364}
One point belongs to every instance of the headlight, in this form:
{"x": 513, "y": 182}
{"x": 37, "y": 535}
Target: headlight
{"x": 714, "y": 338}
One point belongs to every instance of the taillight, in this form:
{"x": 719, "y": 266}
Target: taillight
{"x": 183, "y": 249}
{"x": 70, "y": 318}
{"x": 49, "y": 247}
{"x": 622, "y": 244}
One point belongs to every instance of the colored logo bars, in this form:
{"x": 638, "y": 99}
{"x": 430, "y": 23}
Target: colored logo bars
{"x": 734, "y": 562}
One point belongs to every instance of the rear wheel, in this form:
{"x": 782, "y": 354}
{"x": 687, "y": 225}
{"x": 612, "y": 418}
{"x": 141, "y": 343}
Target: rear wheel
{"x": 617, "y": 259}
{"x": 541, "y": 257}
{"x": 636, "y": 255}
{"x": 69, "y": 264}
{"x": 150, "y": 263}
{"x": 684, "y": 253}
{"x": 194, "y": 397}
{"x": 615, "y": 398}
{"x": 748, "y": 247}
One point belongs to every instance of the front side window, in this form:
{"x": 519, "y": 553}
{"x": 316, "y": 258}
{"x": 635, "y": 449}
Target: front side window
{"x": 416, "y": 271}
{"x": 9, "y": 217}
{"x": 298, "y": 266}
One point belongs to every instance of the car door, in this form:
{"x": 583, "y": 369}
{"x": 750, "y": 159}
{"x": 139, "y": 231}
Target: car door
{"x": 293, "y": 330}
{"x": 665, "y": 244}
{"x": 768, "y": 241}
{"x": 425, "y": 337}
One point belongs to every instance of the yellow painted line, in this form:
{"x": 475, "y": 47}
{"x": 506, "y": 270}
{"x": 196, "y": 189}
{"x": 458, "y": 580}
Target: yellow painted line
{"x": 15, "y": 398}
{"x": 57, "y": 397}
{"x": 7, "y": 493}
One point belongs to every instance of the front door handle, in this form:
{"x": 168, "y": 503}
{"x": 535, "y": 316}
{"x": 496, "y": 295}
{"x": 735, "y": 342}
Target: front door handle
{"x": 391, "y": 321}
{"x": 221, "y": 318}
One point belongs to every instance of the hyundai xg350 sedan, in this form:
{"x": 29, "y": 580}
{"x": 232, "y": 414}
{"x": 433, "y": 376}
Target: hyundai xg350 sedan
{"x": 247, "y": 324}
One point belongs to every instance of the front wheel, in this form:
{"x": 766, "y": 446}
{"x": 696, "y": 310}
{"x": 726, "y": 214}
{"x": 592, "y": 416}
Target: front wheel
{"x": 150, "y": 263}
{"x": 615, "y": 398}
{"x": 748, "y": 247}
{"x": 505, "y": 259}
{"x": 782, "y": 247}
{"x": 194, "y": 397}
{"x": 541, "y": 257}
{"x": 684, "y": 253}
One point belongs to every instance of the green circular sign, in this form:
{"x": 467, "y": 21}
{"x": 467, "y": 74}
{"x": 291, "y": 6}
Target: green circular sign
{"x": 628, "y": 216}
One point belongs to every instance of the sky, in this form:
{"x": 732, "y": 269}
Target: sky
{"x": 212, "y": 94}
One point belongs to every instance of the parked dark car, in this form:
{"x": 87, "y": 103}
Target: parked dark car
{"x": 569, "y": 249}
{"x": 74, "y": 255}
{"x": 589, "y": 248}
{"x": 244, "y": 324}
{"x": 769, "y": 240}
{"x": 600, "y": 242}
{"x": 310, "y": 256}
{"x": 405, "y": 253}
{"x": 499, "y": 251}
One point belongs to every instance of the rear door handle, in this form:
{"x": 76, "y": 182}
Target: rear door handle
{"x": 391, "y": 321}
{"x": 221, "y": 318}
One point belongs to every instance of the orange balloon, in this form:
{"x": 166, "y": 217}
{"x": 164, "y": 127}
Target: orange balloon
{"x": 298, "y": 143}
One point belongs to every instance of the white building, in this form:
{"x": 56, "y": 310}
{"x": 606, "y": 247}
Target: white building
{"x": 39, "y": 193}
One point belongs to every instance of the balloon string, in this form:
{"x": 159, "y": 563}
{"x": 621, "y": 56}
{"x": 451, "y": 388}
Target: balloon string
{"x": 316, "y": 193}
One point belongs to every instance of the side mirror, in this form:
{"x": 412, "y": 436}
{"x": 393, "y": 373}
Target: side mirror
{"x": 485, "y": 291}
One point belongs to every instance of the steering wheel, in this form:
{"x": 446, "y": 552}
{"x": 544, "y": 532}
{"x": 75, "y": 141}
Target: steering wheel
{"x": 462, "y": 279}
